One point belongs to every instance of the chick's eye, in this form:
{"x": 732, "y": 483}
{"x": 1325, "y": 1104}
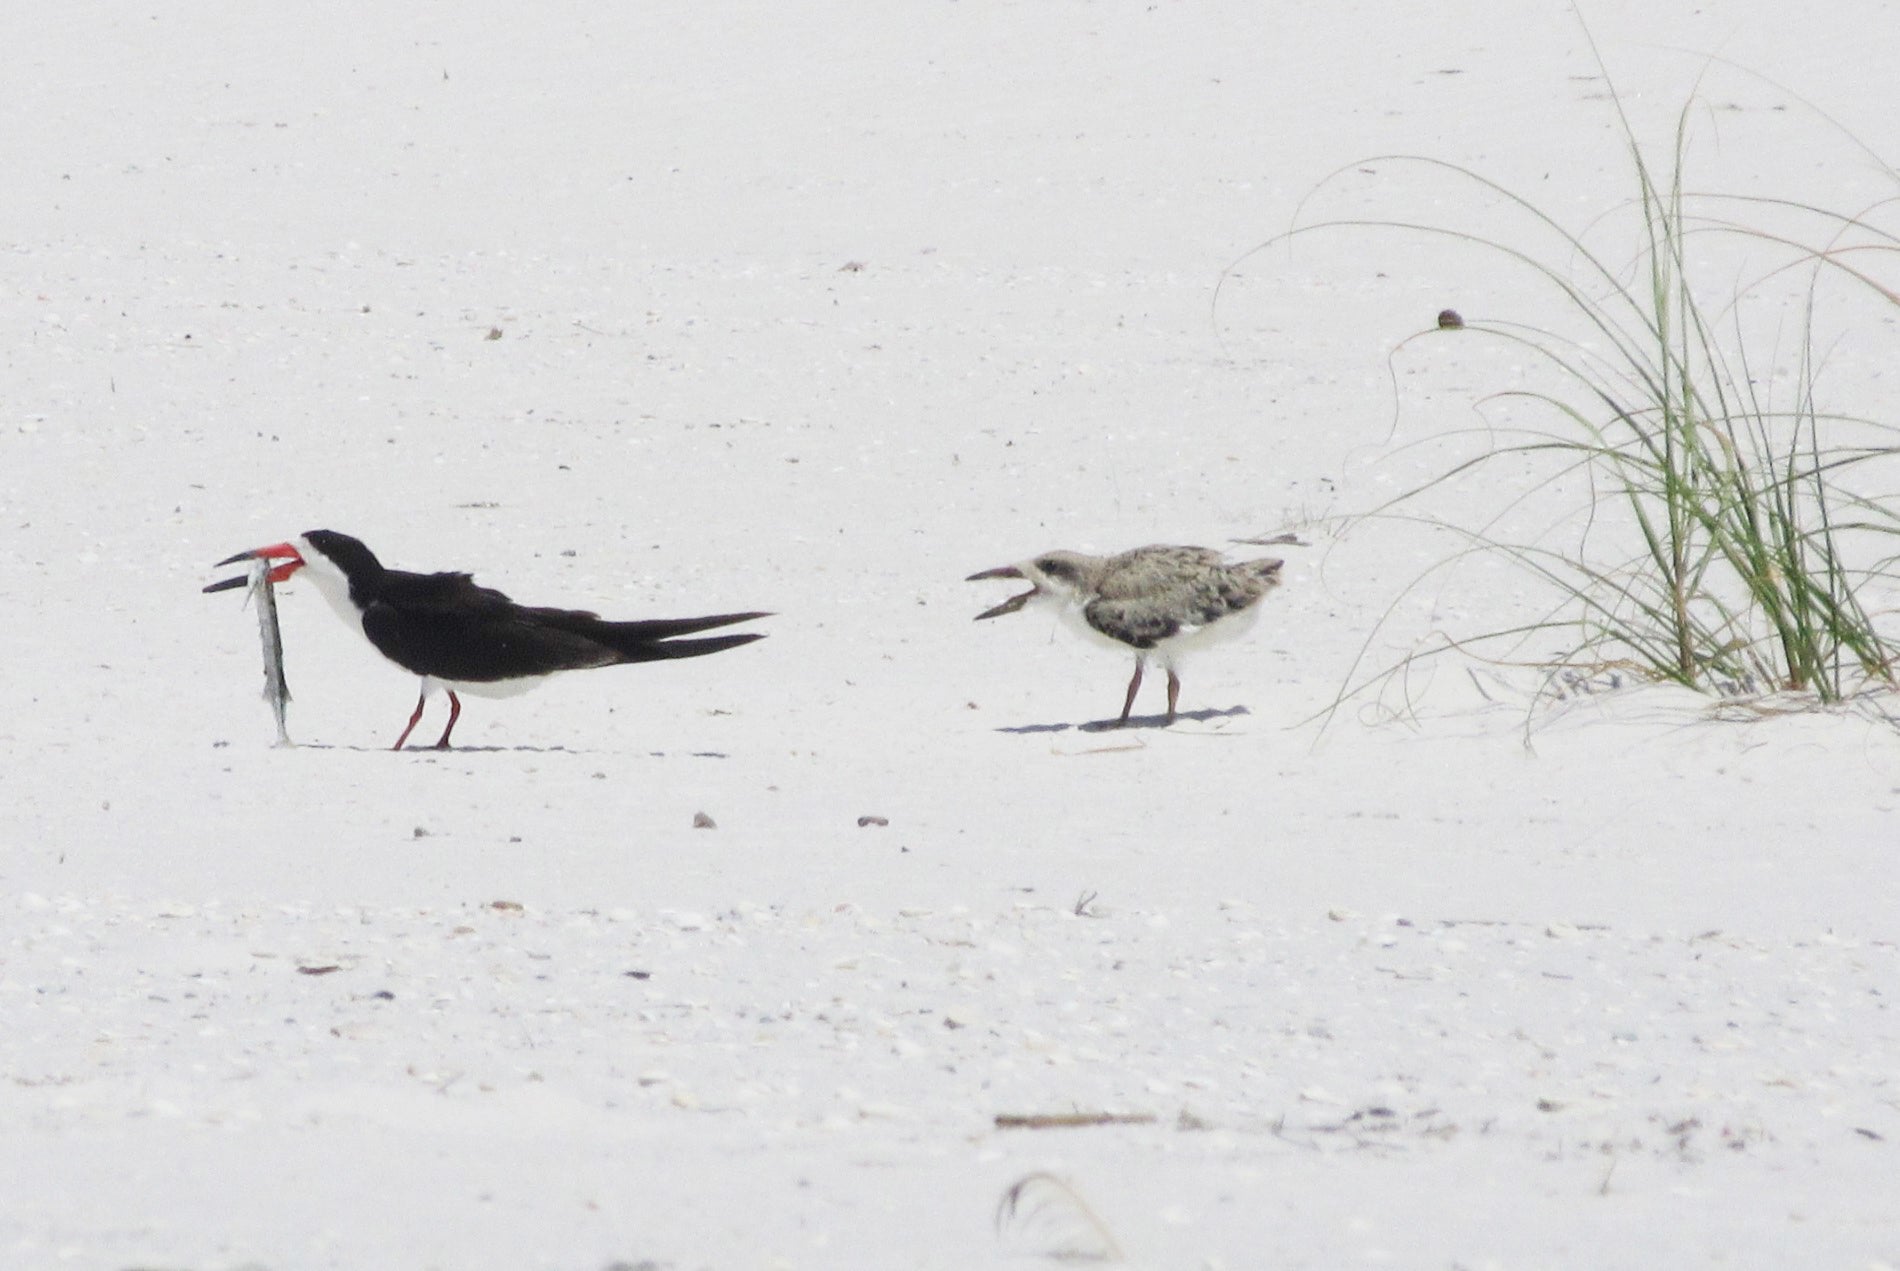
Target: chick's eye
{"x": 1055, "y": 568}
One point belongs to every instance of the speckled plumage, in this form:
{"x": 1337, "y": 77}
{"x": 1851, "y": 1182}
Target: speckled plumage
{"x": 1159, "y": 601}
{"x": 1152, "y": 594}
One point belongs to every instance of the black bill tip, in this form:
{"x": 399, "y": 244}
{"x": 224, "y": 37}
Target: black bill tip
{"x": 228, "y": 583}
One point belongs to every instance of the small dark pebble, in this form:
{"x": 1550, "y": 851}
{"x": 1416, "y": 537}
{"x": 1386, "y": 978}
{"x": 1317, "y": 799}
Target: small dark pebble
{"x": 872, "y": 820}
{"x": 1450, "y": 320}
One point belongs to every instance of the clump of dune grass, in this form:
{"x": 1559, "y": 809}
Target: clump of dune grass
{"x": 1735, "y": 538}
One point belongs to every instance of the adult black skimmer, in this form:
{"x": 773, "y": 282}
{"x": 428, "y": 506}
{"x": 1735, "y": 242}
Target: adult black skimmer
{"x": 471, "y": 639}
{"x": 1159, "y": 601}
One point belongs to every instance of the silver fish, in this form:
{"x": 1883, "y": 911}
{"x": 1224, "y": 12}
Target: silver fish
{"x": 276, "y": 690}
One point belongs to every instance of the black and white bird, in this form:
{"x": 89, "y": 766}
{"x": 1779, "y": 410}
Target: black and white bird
{"x": 1160, "y": 602}
{"x": 465, "y": 638}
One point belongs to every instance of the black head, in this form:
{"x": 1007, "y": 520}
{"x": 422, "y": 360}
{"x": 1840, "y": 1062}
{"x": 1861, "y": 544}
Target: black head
{"x": 346, "y": 553}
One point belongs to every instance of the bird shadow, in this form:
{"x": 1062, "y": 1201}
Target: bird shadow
{"x": 500, "y": 750}
{"x": 1134, "y": 721}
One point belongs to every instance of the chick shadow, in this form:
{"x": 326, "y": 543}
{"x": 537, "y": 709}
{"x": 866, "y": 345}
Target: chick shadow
{"x": 1134, "y": 721}
{"x": 489, "y": 750}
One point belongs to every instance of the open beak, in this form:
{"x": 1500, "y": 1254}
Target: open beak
{"x": 1014, "y": 602}
{"x": 291, "y": 559}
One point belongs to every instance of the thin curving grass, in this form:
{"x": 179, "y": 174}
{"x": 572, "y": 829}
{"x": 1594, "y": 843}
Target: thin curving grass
{"x": 1726, "y": 543}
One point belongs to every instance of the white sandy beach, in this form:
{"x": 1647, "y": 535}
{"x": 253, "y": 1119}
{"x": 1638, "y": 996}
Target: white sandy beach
{"x": 673, "y": 308}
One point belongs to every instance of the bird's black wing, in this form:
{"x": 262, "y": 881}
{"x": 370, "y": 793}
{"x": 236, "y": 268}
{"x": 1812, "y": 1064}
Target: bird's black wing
{"x": 649, "y": 639}
{"x": 447, "y": 627}
{"x": 636, "y": 632}
{"x": 479, "y": 642}
{"x": 444, "y": 592}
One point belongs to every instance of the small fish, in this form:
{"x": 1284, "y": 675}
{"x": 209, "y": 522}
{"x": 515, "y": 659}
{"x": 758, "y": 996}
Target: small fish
{"x": 264, "y": 592}
{"x": 271, "y": 636}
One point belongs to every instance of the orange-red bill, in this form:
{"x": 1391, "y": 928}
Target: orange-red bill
{"x": 289, "y": 558}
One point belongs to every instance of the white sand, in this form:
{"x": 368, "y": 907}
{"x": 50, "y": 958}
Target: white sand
{"x": 1402, "y": 994}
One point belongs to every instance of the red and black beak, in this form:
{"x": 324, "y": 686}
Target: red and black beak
{"x": 1014, "y": 602}
{"x": 292, "y": 561}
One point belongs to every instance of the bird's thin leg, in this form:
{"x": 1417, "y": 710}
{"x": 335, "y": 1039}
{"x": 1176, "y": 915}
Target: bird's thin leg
{"x": 1133, "y": 686}
{"x": 455, "y": 713}
{"x": 1174, "y": 692}
{"x": 413, "y": 720}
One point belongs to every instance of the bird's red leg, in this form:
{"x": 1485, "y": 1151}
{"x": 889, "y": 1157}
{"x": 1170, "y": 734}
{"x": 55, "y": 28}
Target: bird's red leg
{"x": 1174, "y": 693}
{"x": 413, "y": 721}
{"x": 1129, "y": 704}
{"x": 455, "y": 713}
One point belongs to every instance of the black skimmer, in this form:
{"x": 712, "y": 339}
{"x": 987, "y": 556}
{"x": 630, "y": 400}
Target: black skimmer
{"x": 467, "y": 638}
{"x": 1159, "y": 601}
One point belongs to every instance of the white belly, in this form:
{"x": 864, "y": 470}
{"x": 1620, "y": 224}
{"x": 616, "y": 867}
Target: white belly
{"x": 484, "y": 688}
